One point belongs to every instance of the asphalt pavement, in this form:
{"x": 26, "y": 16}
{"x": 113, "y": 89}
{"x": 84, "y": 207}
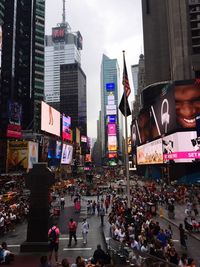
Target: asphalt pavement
{"x": 95, "y": 237}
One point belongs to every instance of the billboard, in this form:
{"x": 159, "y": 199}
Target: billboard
{"x": 79, "y": 41}
{"x": 111, "y": 119}
{"x": 111, "y": 110}
{"x": 14, "y": 120}
{"x": 58, "y": 34}
{"x": 83, "y": 139}
{"x": 67, "y": 154}
{"x": 32, "y": 154}
{"x": 112, "y": 155}
{"x": 150, "y": 153}
{"x": 44, "y": 144}
{"x": 17, "y": 156}
{"x": 181, "y": 147}
{"x": 66, "y": 131}
{"x": 198, "y": 125}
{"x": 50, "y": 119}
{"x": 112, "y": 129}
{"x": 112, "y": 143}
{"x": 54, "y": 149}
{"x": 187, "y": 100}
{"x": 110, "y": 87}
{"x": 78, "y": 136}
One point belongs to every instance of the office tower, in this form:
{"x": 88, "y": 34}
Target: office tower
{"x": 171, "y": 39}
{"x": 111, "y": 137}
{"x": 22, "y": 72}
{"x": 2, "y": 3}
{"x": 62, "y": 47}
{"x": 138, "y": 76}
{"x": 73, "y": 95}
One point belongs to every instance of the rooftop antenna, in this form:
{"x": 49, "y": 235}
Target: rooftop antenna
{"x": 63, "y": 15}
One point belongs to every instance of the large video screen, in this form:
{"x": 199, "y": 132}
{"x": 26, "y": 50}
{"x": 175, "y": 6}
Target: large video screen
{"x": 66, "y": 131}
{"x": 112, "y": 143}
{"x": 181, "y": 147}
{"x": 112, "y": 129}
{"x": 32, "y": 154}
{"x": 150, "y": 153}
{"x": 54, "y": 149}
{"x": 67, "y": 154}
{"x": 50, "y": 119}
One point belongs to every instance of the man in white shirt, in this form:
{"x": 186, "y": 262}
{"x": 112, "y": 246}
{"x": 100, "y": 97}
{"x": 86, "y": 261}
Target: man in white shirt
{"x": 84, "y": 230}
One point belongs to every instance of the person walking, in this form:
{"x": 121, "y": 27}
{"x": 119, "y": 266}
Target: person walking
{"x": 182, "y": 236}
{"x": 53, "y": 236}
{"x": 72, "y": 226}
{"x": 102, "y": 214}
{"x": 84, "y": 230}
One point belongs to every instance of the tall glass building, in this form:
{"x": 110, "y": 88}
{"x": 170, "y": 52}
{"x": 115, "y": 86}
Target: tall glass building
{"x": 111, "y": 141}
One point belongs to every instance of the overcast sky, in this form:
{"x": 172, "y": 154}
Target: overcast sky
{"x": 107, "y": 26}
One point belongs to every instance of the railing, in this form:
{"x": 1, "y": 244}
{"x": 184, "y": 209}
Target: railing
{"x": 124, "y": 255}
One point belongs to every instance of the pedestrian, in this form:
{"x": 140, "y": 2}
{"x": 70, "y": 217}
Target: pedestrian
{"x": 65, "y": 263}
{"x": 100, "y": 256}
{"x": 84, "y": 230}
{"x": 72, "y": 226}
{"x": 44, "y": 262}
{"x": 102, "y": 214}
{"x": 53, "y": 236}
{"x": 62, "y": 202}
{"x": 98, "y": 208}
{"x": 182, "y": 236}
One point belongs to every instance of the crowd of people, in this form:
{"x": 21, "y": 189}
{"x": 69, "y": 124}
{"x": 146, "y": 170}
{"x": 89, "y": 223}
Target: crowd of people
{"x": 135, "y": 227}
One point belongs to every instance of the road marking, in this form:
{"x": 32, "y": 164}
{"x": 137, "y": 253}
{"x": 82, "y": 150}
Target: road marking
{"x": 67, "y": 238}
{"x": 77, "y": 249}
{"x": 13, "y": 246}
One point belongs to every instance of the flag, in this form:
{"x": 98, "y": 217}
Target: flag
{"x": 127, "y": 91}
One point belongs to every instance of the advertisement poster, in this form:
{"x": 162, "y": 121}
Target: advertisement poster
{"x": 150, "y": 153}
{"x": 112, "y": 129}
{"x": 32, "y": 154}
{"x": 112, "y": 119}
{"x": 66, "y": 131}
{"x": 181, "y": 147}
{"x": 50, "y": 119}
{"x": 187, "y": 99}
{"x": 67, "y": 154}
{"x": 14, "y": 120}
{"x": 112, "y": 143}
{"x": 83, "y": 139}
{"x": 17, "y": 156}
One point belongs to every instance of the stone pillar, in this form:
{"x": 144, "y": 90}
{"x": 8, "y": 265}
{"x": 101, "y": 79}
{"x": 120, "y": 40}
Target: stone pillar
{"x": 38, "y": 180}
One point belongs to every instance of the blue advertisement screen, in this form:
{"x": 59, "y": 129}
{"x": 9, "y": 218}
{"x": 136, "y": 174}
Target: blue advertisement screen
{"x": 110, "y": 87}
{"x": 111, "y": 119}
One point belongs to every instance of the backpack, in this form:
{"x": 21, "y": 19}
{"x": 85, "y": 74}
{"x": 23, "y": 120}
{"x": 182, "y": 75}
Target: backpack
{"x": 53, "y": 235}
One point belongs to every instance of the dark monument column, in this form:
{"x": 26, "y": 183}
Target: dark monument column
{"x": 38, "y": 180}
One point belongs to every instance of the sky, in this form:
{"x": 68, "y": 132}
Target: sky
{"x": 107, "y": 27}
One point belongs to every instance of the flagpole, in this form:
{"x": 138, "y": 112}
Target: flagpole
{"x": 126, "y": 146}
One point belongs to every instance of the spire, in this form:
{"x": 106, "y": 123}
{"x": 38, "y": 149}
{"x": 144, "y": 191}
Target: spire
{"x": 63, "y": 15}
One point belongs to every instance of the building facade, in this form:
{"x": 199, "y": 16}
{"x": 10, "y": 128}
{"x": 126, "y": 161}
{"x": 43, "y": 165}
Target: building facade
{"x": 111, "y": 133}
{"x": 171, "y": 31}
{"x": 73, "y": 101}
{"x": 62, "y": 47}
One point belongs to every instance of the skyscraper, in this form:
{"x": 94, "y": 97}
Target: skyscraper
{"x": 62, "y": 47}
{"x": 171, "y": 39}
{"x": 22, "y": 72}
{"x": 111, "y": 134}
{"x": 73, "y": 95}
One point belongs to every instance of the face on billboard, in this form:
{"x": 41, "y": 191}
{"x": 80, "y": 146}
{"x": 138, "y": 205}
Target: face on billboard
{"x": 150, "y": 153}
{"x": 181, "y": 147}
{"x": 66, "y": 131}
{"x": 111, "y": 129}
{"x": 50, "y": 121}
{"x": 187, "y": 99}
{"x": 67, "y": 153}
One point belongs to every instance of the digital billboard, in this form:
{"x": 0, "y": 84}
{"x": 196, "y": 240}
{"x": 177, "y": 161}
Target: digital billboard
{"x": 17, "y": 156}
{"x": 32, "y": 154}
{"x": 83, "y": 139}
{"x": 112, "y": 143}
{"x": 111, "y": 110}
{"x": 187, "y": 101}
{"x": 181, "y": 147}
{"x": 67, "y": 154}
{"x": 58, "y": 34}
{"x": 112, "y": 129}
{"x": 14, "y": 120}
{"x": 110, "y": 87}
{"x": 112, "y": 155}
{"x": 50, "y": 119}
{"x": 150, "y": 153}
{"x": 66, "y": 131}
{"x": 111, "y": 119}
{"x": 54, "y": 149}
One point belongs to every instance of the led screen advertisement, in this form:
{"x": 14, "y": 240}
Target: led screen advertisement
{"x": 67, "y": 154}
{"x": 110, "y": 87}
{"x": 32, "y": 154}
{"x": 150, "y": 153}
{"x": 58, "y": 34}
{"x": 112, "y": 143}
{"x": 112, "y": 129}
{"x": 83, "y": 139}
{"x": 54, "y": 149}
{"x": 50, "y": 119}
{"x": 181, "y": 147}
{"x": 66, "y": 131}
{"x": 111, "y": 119}
{"x": 14, "y": 120}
